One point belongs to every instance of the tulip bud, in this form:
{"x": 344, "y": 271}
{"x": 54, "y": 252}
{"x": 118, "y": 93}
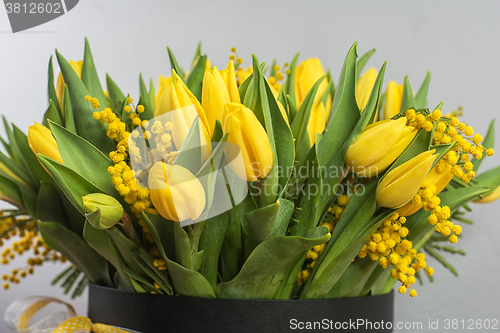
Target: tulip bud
{"x": 364, "y": 87}
{"x": 317, "y": 120}
{"x": 400, "y": 185}
{"x": 214, "y": 96}
{"x": 436, "y": 178}
{"x": 175, "y": 192}
{"x": 111, "y": 211}
{"x": 162, "y": 99}
{"x": 393, "y": 99}
{"x": 379, "y": 146}
{"x": 184, "y": 107}
{"x": 229, "y": 77}
{"x": 41, "y": 141}
{"x": 306, "y": 75}
{"x": 77, "y": 67}
{"x": 245, "y": 131}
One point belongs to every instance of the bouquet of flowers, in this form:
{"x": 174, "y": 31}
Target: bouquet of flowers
{"x": 271, "y": 182}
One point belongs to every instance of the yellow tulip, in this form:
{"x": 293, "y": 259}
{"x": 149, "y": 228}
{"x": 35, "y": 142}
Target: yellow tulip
{"x": 77, "y": 67}
{"x": 379, "y": 146}
{"x": 317, "y": 120}
{"x": 242, "y": 74}
{"x": 175, "y": 192}
{"x": 162, "y": 98}
{"x": 393, "y": 99}
{"x": 306, "y": 75}
{"x": 186, "y": 107}
{"x": 400, "y": 185}
{"x": 245, "y": 131}
{"x": 436, "y": 178}
{"x": 41, "y": 141}
{"x": 364, "y": 87}
{"x": 229, "y": 77}
{"x": 219, "y": 88}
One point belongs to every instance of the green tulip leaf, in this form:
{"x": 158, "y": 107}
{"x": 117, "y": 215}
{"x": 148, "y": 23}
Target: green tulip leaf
{"x": 267, "y": 222}
{"x": 14, "y": 152}
{"x": 267, "y": 267}
{"x": 71, "y": 183}
{"x": 145, "y": 101}
{"x": 351, "y": 283}
{"x": 186, "y": 254}
{"x": 186, "y": 282}
{"x": 101, "y": 242}
{"x": 11, "y": 193}
{"x": 195, "y": 78}
{"x": 152, "y": 95}
{"x": 49, "y": 206}
{"x": 29, "y": 159}
{"x": 90, "y": 78}
{"x": 344, "y": 114}
{"x": 29, "y": 199}
{"x": 260, "y": 105}
{"x": 157, "y": 275}
{"x": 88, "y": 128}
{"x": 289, "y": 87}
{"x": 245, "y": 87}
{"x": 52, "y": 96}
{"x": 18, "y": 171}
{"x": 115, "y": 95}
{"x": 283, "y": 143}
{"x": 408, "y": 100}
{"x": 300, "y": 122}
{"x": 190, "y": 153}
{"x": 211, "y": 244}
{"x": 360, "y": 64}
{"x": 490, "y": 178}
{"x": 51, "y": 114}
{"x": 488, "y": 142}
{"x": 83, "y": 158}
{"x": 174, "y": 65}
{"x": 69, "y": 120}
{"x": 127, "y": 249}
{"x": 341, "y": 255}
{"x": 76, "y": 249}
{"x": 421, "y": 97}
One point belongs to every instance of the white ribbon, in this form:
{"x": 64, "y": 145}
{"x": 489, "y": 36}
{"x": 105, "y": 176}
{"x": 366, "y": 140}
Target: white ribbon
{"x": 19, "y": 314}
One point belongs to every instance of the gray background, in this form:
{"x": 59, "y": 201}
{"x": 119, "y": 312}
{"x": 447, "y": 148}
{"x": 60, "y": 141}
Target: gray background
{"x": 457, "y": 40}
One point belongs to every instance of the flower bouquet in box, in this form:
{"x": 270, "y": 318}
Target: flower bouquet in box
{"x": 239, "y": 184}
